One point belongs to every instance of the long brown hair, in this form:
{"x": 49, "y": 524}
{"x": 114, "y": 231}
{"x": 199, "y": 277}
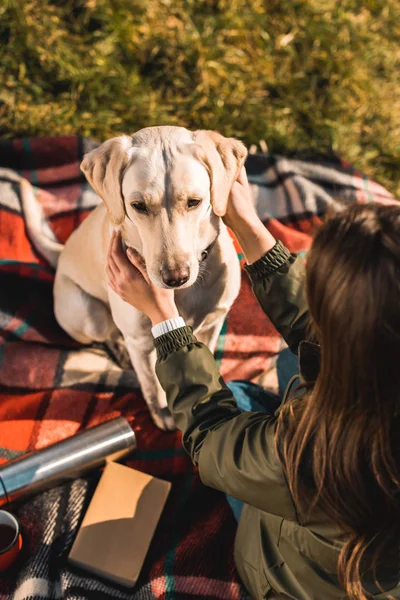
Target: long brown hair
{"x": 345, "y": 432}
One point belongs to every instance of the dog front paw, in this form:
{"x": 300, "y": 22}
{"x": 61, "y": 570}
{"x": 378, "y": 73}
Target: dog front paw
{"x": 163, "y": 418}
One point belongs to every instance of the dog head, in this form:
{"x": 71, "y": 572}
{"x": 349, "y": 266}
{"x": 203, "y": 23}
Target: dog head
{"x": 166, "y": 187}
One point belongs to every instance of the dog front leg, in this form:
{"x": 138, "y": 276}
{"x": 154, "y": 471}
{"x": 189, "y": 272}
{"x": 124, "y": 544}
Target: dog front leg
{"x": 135, "y": 328}
{"x": 143, "y": 357}
{"x": 209, "y": 332}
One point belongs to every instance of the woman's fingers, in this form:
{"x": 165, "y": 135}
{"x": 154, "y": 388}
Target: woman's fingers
{"x": 113, "y": 265}
{"x": 135, "y": 258}
{"x": 117, "y": 252}
{"x": 121, "y": 265}
{"x": 110, "y": 255}
{"x": 110, "y": 259}
{"x": 137, "y": 261}
{"x": 111, "y": 276}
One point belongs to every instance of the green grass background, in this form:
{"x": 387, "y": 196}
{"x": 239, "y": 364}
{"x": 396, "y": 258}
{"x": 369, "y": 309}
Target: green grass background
{"x": 319, "y": 74}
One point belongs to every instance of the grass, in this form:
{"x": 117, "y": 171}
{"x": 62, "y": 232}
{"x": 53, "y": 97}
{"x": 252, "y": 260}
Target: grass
{"x": 318, "y": 74}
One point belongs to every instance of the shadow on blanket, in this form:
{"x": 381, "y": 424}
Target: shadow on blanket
{"x": 50, "y": 387}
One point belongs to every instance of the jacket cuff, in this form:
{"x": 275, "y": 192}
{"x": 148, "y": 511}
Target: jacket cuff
{"x": 173, "y": 340}
{"x": 167, "y": 326}
{"x": 272, "y": 260}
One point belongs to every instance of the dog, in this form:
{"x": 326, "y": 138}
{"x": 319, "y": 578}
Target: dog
{"x": 166, "y": 189}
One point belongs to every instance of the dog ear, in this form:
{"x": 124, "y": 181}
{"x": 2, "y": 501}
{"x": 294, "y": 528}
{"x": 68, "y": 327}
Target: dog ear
{"x": 104, "y": 168}
{"x": 223, "y": 158}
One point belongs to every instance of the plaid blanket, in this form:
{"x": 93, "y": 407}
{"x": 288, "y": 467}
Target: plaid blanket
{"x": 51, "y": 387}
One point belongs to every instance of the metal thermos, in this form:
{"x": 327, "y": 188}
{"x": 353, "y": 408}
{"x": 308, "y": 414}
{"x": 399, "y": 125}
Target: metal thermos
{"x": 67, "y": 459}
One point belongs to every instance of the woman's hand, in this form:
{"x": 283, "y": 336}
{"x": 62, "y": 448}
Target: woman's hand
{"x": 127, "y": 276}
{"x": 240, "y": 204}
{"x": 241, "y": 216}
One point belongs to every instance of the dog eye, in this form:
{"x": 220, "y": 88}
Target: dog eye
{"x": 193, "y": 202}
{"x": 140, "y": 207}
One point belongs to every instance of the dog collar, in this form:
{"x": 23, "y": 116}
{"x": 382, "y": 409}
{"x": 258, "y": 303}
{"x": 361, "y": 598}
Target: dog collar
{"x": 206, "y": 252}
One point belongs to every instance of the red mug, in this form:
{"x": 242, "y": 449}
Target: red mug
{"x": 10, "y": 540}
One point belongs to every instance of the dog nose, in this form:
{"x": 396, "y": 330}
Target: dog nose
{"x": 175, "y": 277}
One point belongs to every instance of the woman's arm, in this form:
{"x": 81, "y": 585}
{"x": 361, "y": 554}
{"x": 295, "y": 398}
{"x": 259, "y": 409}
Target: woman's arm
{"x": 277, "y": 276}
{"x": 235, "y": 451}
{"x": 241, "y": 216}
{"x": 278, "y": 282}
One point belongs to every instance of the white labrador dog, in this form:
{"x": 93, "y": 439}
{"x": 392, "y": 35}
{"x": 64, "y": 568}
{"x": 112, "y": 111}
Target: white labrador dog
{"x": 166, "y": 189}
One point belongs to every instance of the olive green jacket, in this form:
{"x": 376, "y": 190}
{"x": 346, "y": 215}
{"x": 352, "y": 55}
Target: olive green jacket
{"x": 278, "y": 552}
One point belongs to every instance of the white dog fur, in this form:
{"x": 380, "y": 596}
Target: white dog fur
{"x": 157, "y": 170}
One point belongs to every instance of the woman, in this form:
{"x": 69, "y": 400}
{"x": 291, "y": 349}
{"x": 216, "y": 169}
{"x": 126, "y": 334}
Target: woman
{"x": 320, "y": 478}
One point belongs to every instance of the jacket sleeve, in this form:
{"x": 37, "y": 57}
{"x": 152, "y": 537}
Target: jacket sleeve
{"x": 278, "y": 281}
{"x": 235, "y": 451}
